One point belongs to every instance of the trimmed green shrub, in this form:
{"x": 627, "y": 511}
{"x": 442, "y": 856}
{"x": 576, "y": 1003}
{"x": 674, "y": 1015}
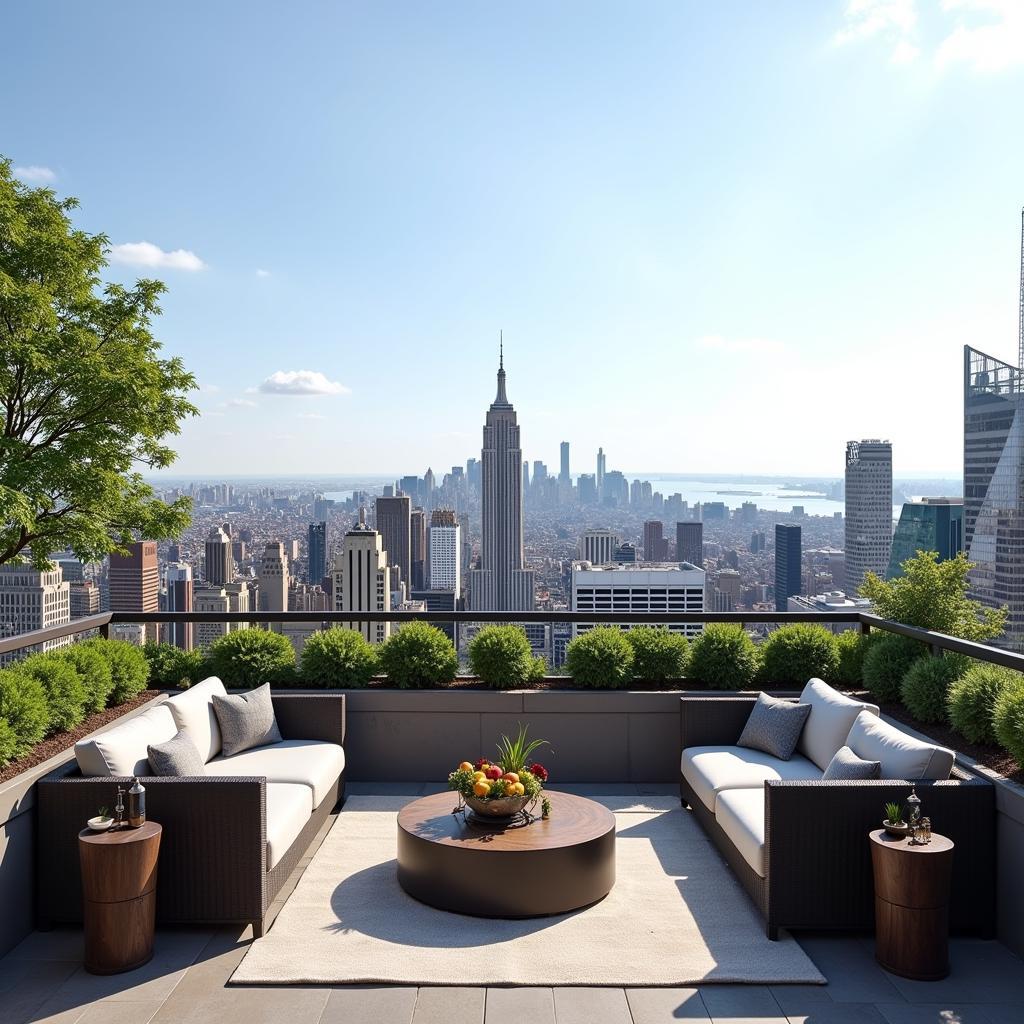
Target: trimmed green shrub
{"x": 247, "y": 658}
{"x": 94, "y": 671}
{"x": 65, "y": 693}
{"x": 501, "y": 657}
{"x": 338, "y": 657}
{"x": 8, "y": 743}
{"x": 851, "y": 646}
{"x": 887, "y": 661}
{"x": 793, "y": 654}
{"x": 1008, "y": 720}
{"x": 23, "y": 707}
{"x": 129, "y": 669}
{"x": 171, "y": 668}
{"x": 972, "y": 700}
{"x": 925, "y": 687}
{"x": 658, "y": 654}
{"x": 418, "y": 655}
{"x": 601, "y": 658}
{"x": 723, "y": 657}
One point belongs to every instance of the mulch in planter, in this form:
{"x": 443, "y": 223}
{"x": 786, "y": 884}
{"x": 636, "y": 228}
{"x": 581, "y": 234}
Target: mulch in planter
{"x": 54, "y": 744}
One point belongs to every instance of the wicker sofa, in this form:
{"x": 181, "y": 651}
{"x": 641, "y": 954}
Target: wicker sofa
{"x": 231, "y": 837}
{"x": 798, "y": 844}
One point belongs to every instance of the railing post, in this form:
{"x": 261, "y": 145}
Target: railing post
{"x": 105, "y": 631}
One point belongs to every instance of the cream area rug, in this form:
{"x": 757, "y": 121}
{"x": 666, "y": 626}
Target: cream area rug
{"x": 676, "y": 916}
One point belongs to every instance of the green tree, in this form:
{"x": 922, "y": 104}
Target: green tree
{"x": 933, "y": 595}
{"x": 85, "y": 398}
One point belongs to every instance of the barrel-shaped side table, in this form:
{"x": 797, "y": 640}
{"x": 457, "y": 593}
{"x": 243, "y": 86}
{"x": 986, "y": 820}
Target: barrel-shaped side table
{"x": 119, "y": 896}
{"x": 912, "y": 905}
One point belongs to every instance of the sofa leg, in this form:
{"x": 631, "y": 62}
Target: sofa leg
{"x": 772, "y": 931}
{"x": 257, "y": 929}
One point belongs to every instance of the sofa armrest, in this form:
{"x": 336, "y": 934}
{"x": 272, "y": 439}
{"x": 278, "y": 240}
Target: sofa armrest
{"x": 311, "y": 716}
{"x": 818, "y": 856}
{"x": 707, "y": 721}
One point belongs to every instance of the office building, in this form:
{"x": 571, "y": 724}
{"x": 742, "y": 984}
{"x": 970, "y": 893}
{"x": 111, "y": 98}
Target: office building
{"x": 233, "y": 597}
{"x": 729, "y": 588}
{"x": 655, "y": 543}
{"x": 134, "y": 583}
{"x": 644, "y": 587}
{"x": 563, "y": 466}
{"x": 273, "y": 576}
{"x": 445, "y": 547}
{"x": 179, "y": 584}
{"x": 394, "y": 524}
{"x": 219, "y": 563}
{"x": 626, "y": 553}
{"x": 362, "y": 579}
{"x": 418, "y": 548}
{"x": 85, "y": 598}
{"x": 787, "y": 564}
{"x": 599, "y": 546}
{"x": 868, "y": 510}
{"x": 501, "y": 583}
{"x": 439, "y": 601}
{"x": 32, "y": 599}
{"x": 586, "y": 489}
{"x": 690, "y": 542}
{"x": 601, "y": 464}
{"x": 931, "y": 524}
{"x": 316, "y": 553}
{"x": 830, "y": 601}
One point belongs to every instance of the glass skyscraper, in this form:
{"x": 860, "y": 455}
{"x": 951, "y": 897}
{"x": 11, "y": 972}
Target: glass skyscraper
{"x": 931, "y": 524}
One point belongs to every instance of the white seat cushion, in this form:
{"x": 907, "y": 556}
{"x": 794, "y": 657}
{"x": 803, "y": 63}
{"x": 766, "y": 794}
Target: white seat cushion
{"x": 193, "y": 712}
{"x": 121, "y": 750}
{"x": 710, "y": 770}
{"x": 741, "y": 815}
{"x": 311, "y": 762}
{"x": 901, "y": 756}
{"x": 828, "y": 724}
{"x": 289, "y": 806}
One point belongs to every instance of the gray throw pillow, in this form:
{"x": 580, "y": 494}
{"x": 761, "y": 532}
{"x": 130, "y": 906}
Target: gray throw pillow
{"x": 176, "y": 756}
{"x": 246, "y": 720}
{"x": 774, "y": 726}
{"x": 846, "y": 765}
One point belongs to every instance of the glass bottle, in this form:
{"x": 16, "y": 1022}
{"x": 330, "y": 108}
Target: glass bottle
{"x": 136, "y": 804}
{"x": 924, "y": 832}
{"x": 119, "y": 808}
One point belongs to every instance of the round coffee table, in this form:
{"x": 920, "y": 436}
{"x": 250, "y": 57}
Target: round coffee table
{"x": 550, "y": 866}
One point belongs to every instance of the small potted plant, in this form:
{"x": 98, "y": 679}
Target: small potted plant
{"x": 102, "y": 821}
{"x": 893, "y": 822}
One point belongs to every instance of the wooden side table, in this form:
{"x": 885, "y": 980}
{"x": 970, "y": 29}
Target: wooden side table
{"x": 912, "y": 905}
{"x": 119, "y": 896}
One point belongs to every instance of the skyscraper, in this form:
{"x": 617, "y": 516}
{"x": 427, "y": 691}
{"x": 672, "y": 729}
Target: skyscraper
{"x": 655, "y": 543}
{"x": 787, "y": 564}
{"x": 564, "y": 476}
{"x": 994, "y": 487}
{"x": 316, "y": 553}
{"x": 445, "y": 551}
{"x": 134, "y": 581}
{"x": 501, "y": 583}
{"x": 362, "y": 580}
{"x": 394, "y": 524}
{"x": 690, "y": 543}
{"x": 931, "y": 524}
{"x": 601, "y": 460}
{"x": 868, "y": 510}
{"x": 219, "y": 565}
{"x": 179, "y": 599}
{"x": 32, "y": 599}
{"x": 418, "y": 547}
{"x": 274, "y": 580}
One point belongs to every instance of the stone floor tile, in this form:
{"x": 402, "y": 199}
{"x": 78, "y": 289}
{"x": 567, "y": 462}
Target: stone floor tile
{"x": 383, "y": 788}
{"x": 741, "y": 1002}
{"x": 449, "y": 1005}
{"x": 836, "y": 1013}
{"x": 664, "y": 1005}
{"x": 938, "y": 1013}
{"x": 519, "y": 1006}
{"x": 851, "y": 970}
{"x": 46, "y": 975}
{"x": 152, "y": 981}
{"x": 58, "y": 944}
{"x": 220, "y": 1004}
{"x": 1003, "y": 1013}
{"x": 120, "y": 1013}
{"x": 21, "y": 1004}
{"x": 380, "y": 1004}
{"x": 599, "y": 788}
{"x": 658, "y": 788}
{"x": 793, "y": 997}
{"x": 591, "y": 1006}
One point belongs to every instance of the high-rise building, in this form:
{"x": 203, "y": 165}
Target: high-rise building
{"x": 564, "y": 476}
{"x": 615, "y": 491}
{"x": 994, "y": 487}
{"x": 931, "y": 524}
{"x": 787, "y": 564}
{"x": 316, "y": 552}
{"x": 418, "y": 547}
{"x": 501, "y": 583}
{"x": 362, "y": 579}
{"x": 868, "y": 510}
{"x": 32, "y": 599}
{"x": 445, "y": 551}
{"x": 134, "y": 582}
{"x": 233, "y": 597}
{"x": 626, "y": 553}
{"x": 85, "y": 598}
{"x": 179, "y": 599}
{"x": 394, "y": 524}
{"x": 601, "y": 464}
{"x": 219, "y": 563}
{"x": 586, "y": 487}
{"x": 599, "y": 546}
{"x": 690, "y": 543}
{"x": 655, "y": 543}
{"x": 274, "y": 580}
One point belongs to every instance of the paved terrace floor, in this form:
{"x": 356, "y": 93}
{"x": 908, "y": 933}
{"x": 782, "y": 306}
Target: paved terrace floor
{"x": 42, "y": 980}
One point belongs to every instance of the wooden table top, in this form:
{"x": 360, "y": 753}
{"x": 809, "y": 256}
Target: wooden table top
{"x": 573, "y": 820}
{"x": 939, "y": 844}
{"x": 121, "y": 836}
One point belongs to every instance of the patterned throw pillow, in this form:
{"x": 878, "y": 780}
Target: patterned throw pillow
{"x": 246, "y": 720}
{"x": 774, "y": 726}
{"x": 847, "y": 766}
{"x": 177, "y": 756}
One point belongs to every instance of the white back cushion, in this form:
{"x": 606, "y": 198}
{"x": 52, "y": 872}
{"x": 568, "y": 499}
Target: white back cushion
{"x": 122, "y": 749}
{"x": 828, "y": 725}
{"x": 194, "y": 715}
{"x": 901, "y": 756}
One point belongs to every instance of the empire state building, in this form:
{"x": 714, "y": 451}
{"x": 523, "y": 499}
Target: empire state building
{"x": 501, "y": 583}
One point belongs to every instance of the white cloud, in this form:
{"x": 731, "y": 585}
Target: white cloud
{"x": 260, "y": 272}
{"x": 301, "y": 382}
{"x": 146, "y": 254}
{"x": 34, "y": 172}
{"x": 240, "y": 403}
{"x": 904, "y": 53}
{"x": 867, "y": 18}
{"x": 993, "y": 45}
{"x": 733, "y": 346}
{"x": 311, "y": 416}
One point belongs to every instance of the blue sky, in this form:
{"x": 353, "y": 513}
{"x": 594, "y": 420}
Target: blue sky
{"x": 719, "y": 237}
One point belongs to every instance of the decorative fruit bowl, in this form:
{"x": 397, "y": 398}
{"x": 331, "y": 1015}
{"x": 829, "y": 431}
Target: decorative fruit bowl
{"x": 504, "y": 788}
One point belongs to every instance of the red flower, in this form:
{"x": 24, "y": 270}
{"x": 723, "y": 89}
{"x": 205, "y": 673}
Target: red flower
{"x": 479, "y": 763}
{"x": 539, "y": 771}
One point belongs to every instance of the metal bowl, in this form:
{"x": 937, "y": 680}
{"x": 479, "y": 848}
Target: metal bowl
{"x": 499, "y": 807}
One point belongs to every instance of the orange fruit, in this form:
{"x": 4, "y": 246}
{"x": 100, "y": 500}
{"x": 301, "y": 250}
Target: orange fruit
{"x": 481, "y": 788}
{"x": 519, "y": 788}
{"x": 465, "y": 767}
{"x": 477, "y": 776}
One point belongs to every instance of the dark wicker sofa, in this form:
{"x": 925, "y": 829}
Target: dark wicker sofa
{"x": 818, "y": 872}
{"x": 213, "y": 856}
